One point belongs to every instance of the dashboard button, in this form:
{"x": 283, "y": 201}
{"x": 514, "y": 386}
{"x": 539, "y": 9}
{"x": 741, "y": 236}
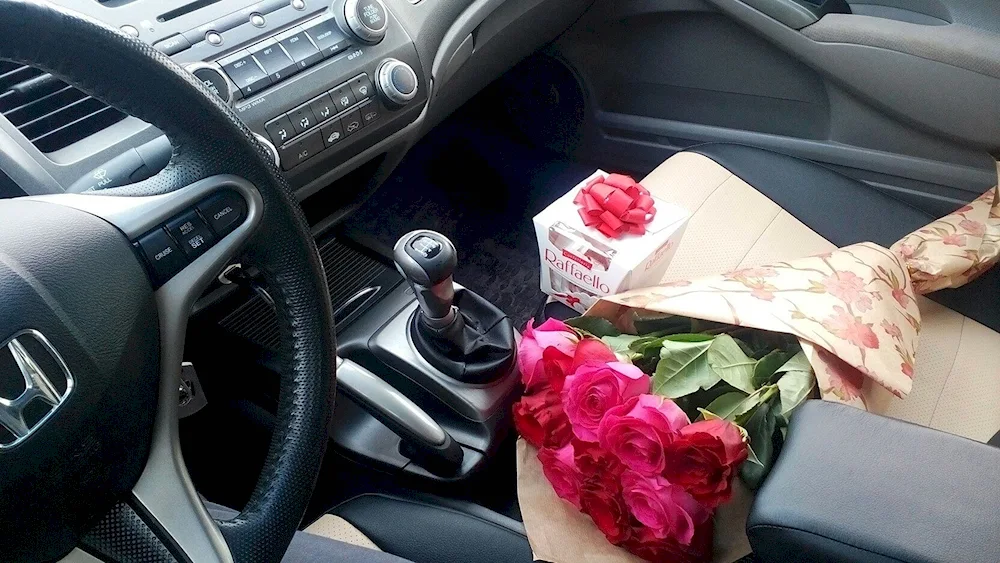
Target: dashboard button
{"x": 370, "y": 114}
{"x": 280, "y": 130}
{"x": 191, "y": 232}
{"x": 213, "y": 79}
{"x": 302, "y": 118}
{"x": 301, "y": 49}
{"x": 333, "y": 132}
{"x": 352, "y": 123}
{"x": 301, "y": 150}
{"x": 245, "y": 73}
{"x": 224, "y": 212}
{"x": 362, "y": 87}
{"x": 323, "y": 107}
{"x": 275, "y": 61}
{"x": 343, "y": 97}
{"x": 328, "y": 37}
{"x": 163, "y": 255}
{"x": 172, "y": 45}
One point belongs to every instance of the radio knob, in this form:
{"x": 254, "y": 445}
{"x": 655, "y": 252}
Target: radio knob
{"x": 368, "y": 19}
{"x": 397, "y": 81}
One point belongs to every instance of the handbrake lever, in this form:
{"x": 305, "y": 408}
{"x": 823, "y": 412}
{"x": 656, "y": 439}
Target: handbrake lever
{"x": 425, "y": 441}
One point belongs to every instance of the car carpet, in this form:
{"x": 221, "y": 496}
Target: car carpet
{"x": 480, "y": 188}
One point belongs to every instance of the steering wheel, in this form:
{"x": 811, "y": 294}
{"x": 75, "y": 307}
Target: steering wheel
{"x": 102, "y": 470}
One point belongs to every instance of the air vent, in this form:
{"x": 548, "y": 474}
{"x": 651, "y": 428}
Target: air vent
{"x": 49, "y": 112}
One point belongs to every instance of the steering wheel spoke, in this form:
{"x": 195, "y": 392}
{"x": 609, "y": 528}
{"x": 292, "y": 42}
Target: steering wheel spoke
{"x": 164, "y": 493}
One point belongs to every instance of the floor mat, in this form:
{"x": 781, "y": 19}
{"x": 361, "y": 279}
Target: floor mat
{"x": 480, "y": 188}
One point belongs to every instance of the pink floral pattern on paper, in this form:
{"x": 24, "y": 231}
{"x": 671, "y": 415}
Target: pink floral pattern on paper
{"x": 853, "y": 309}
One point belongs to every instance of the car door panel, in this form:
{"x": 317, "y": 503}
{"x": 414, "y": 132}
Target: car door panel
{"x": 916, "y": 116}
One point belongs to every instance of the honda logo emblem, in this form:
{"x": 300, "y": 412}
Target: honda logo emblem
{"x": 37, "y": 384}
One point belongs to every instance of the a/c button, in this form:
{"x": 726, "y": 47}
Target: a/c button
{"x": 302, "y": 150}
{"x": 224, "y": 212}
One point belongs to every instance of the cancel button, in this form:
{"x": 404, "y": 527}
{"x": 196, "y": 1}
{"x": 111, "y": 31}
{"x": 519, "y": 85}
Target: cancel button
{"x": 224, "y": 212}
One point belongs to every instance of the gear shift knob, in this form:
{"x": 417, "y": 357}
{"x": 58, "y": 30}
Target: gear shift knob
{"x": 427, "y": 260}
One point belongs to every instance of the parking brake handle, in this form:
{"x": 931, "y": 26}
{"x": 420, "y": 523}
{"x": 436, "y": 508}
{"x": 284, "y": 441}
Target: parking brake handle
{"x": 424, "y": 440}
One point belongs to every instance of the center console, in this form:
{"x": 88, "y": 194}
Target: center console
{"x": 319, "y": 82}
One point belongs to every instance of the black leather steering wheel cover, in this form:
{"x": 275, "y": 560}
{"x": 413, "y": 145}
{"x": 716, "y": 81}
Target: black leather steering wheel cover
{"x": 209, "y": 139}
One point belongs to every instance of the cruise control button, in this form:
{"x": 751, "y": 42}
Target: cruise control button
{"x": 362, "y": 87}
{"x": 224, "y": 212}
{"x": 280, "y": 130}
{"x": 245, "y": 73}
{"x": 333, "y": 132}
{"x": 191, "y": 233}
{"x": 328, "y": 37}
{"x": 323, "y": 107}
{"x": 301, "y": 49}
{"x": 163, "y": 255}
{"x": 172, "y": 45}
{"x": 352, "y": 123}
{"x": 302, "y": 118}
{"x": 301, "y": 150}
{"x": 275, "y": 62}
{"x": 343, "y": 97}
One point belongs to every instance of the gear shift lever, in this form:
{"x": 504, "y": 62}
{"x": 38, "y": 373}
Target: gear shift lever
{"x": 458, "y": 332}
{"x": 427, "y": 260}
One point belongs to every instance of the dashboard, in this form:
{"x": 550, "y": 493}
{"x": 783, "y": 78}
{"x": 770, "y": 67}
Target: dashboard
{"x": 327, "y": 86}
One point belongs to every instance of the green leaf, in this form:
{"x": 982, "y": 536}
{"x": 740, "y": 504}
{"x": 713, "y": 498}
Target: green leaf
{"x": 709, "y": 415}
{"x": 795, "y": 386}
{"x": 644, "y": 324}
{"x": 798, "y": 362}
{"x": 760, "y": 429}
{"x": 594, "y": 325}
{"x": 683, "y": 369}
{"x": 733, "y": 366}
{"x": 728, "y": 405}
{"x": 767, "y": 366}
{"x": 689, "y": 337}
{"x": 619, "y": 344}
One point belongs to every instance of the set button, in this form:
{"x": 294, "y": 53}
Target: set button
{"x": 171, "y": 247}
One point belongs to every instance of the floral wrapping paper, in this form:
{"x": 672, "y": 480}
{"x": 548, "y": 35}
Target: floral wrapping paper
{"x": 854, "y": 310}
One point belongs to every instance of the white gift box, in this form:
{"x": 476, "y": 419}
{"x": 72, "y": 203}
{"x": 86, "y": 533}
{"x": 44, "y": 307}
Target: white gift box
{"x": 579, "y": 264}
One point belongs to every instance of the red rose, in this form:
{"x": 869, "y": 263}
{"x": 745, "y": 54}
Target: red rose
{"x": 560, "y": 469}
{"x": 594, "y": 461}
{"x": 540, "y": 419}
{"x": 703, "y": 458}
{"x": 601, "y": 499}
{"x": 645, "y": 545}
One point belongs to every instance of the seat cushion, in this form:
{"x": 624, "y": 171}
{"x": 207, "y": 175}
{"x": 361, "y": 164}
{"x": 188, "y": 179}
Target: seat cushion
{"x": 436, "y": 530}
{"x": 741, "y": 217}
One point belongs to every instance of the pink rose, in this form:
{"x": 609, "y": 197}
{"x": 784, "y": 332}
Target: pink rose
{"x": 551, "y": 344}
{"x": 594, "y": 388}
{"x": 561, "y": 471}
{"x": 667, "y": 510}
{"x": 638, "y": 430}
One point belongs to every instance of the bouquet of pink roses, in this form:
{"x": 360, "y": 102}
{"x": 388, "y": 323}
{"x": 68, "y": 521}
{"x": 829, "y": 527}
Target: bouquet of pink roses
{"x": 608, "y": 416}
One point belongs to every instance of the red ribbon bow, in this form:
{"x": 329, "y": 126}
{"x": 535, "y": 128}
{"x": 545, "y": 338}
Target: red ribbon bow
{"x": 616, "y": 206}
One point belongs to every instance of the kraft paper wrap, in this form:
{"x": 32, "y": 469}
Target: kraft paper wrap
{"x": 855, "y": 312}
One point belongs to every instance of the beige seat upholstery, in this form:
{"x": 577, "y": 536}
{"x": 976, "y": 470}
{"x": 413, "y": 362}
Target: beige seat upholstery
{"x": 957, "y": 382}
{"x": 337, "y": 529}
